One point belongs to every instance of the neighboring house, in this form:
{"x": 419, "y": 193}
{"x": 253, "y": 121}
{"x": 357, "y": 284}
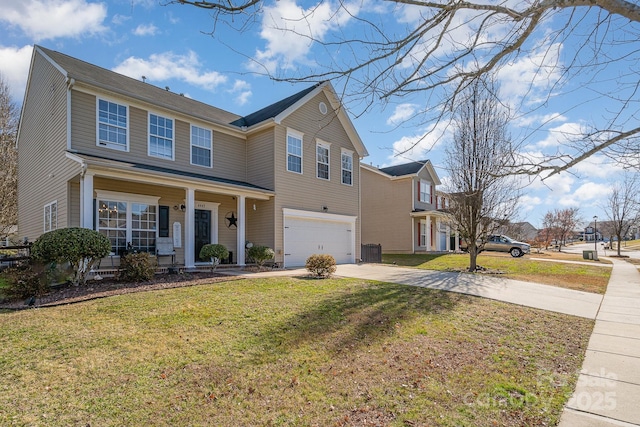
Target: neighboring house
{"x": 403, "y": 211}
{"x": 138, "y": 163}
{"x": 521, "y": 231}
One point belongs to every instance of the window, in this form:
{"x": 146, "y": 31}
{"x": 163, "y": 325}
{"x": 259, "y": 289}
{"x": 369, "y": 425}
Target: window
{"x": 51, "y": 216}
{"x": 294, "y": 152}
{"x": 201, "y": 152}
{"x": 160, "y": 137}
{"x": 425, "y": 191}
{"x": 112, "y": 125}
{"x": 347, "y": 167}
{"x": 422, "y": 231}
{"x": 128, "y": 218}
{"x": 322, "y": 158}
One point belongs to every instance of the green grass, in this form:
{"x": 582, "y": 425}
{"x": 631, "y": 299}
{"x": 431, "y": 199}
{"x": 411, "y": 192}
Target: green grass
{"x": 573, "y": 276}
{"x": 288, "y": 352}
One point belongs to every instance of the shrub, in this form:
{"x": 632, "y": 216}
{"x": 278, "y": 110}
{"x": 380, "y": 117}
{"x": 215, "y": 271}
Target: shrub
{"x": 80, "y": 247}
{"x": 215, "y": 252}
{"x": 136, "y": 267}
{"x": 24, "y": 281}
{"x": 260, "y": 254}
{"x": 321, "y": 265}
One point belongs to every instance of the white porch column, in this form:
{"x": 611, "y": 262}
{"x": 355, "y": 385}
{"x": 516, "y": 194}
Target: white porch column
{"x": 437, "y": 236}
{"x": 457, "y": 241}
{"x": 428, "y": 233}
{"x": 448, "y": 238}
{"x": 241, "y": 229}
{"x": 189, "y": 229}
{"x": 86, "y": 201}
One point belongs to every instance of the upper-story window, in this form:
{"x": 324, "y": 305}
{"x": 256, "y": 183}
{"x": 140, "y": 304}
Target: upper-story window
{"x": 51, "y": 216}
{"x": 294, "y": 151}
{"x": 112, "y": 125}
{"x": 322, "y": 160}
{"x": 347, "y": 167}
{"x": 160, "y": 137}
{"x": 425, "y": 191}
{"x": 201, "y": 152}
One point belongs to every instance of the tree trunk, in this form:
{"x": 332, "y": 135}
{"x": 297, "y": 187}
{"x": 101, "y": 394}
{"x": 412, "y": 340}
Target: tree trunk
{"x": 473, "y": 257}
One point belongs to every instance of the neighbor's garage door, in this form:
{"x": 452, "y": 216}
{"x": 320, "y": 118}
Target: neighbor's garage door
{"x": 323, "y": 234}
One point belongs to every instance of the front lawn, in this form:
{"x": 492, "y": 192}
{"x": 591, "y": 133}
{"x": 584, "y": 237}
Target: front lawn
{"x": 289, "y": 352}
{"x": 573, "y": 276}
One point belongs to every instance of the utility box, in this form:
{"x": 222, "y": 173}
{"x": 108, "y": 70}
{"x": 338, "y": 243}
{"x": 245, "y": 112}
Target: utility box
{"x": 593, "y": 255}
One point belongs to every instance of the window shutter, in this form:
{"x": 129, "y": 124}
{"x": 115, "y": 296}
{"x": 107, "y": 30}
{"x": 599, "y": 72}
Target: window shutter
{"x": 163, "y": 221}
{"x": 419, "y": 242}
{"x": 431, "y": 194}
{"x": 419, "y": 198}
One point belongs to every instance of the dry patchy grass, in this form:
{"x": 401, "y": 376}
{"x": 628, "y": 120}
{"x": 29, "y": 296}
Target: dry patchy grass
{"x": 289, "y": 352}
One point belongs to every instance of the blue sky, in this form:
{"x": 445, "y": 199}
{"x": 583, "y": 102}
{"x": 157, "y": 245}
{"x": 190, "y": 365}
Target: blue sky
{"x": 169, "y": 45}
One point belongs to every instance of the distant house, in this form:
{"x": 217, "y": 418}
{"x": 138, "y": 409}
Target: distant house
{"x": 141, "y": 164}
{"x": 402, "y": 209}
{"x": 521, "y": 231}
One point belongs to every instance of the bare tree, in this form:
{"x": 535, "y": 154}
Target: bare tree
{"x": 561, "y": 223}
{"x": 481, "y": 199}
{"x": 450, "y": 43}
{"x": 622, "y": 207}
{"x": 9, "y": 116}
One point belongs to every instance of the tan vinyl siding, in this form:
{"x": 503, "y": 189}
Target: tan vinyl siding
{"x": 74, "y": 204}
{"x": 260, "y": 229}
{"x": 386, "y": 208}
{"x": 305, "y": 191}
{"x": 43, "y": 169}
{"x": 228, "y": 151}
{"x": 260, "y": 159}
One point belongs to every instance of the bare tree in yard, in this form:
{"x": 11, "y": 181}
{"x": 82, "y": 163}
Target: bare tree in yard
{"x": 481, "y": 199}
{"x": 9, "y": 116}
{"x": 622, "y": 207}
{"x": 402, "y": 49}
{"x": 562, "y": 223}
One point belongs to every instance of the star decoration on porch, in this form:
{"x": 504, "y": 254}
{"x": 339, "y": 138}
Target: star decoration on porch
{"x": 231, "y": 219}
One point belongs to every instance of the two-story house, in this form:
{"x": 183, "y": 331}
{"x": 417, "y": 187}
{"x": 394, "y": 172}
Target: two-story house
{"x": 403, "y": 211}
{"x": 141, "y": 164}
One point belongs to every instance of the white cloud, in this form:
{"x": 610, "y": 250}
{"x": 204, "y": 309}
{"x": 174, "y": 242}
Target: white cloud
{"x": 119, "y": 19}
{"x": 145, "y": 30}
{"x": 242, "y": 90}
{"x": 50, "y": 19}
{"x": 401, "y": 114}
{"x": 528, "y": 203}
{"x": 289, "y": 31}
{"x": 167, "y": 65}
{"x": 418, "y": 147}
{"x": 561, "y": 135}
{"x": 14, "y": 66}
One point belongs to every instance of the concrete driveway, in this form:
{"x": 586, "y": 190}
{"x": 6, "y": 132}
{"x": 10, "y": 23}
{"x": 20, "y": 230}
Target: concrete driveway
{"x": 545, "y": 297}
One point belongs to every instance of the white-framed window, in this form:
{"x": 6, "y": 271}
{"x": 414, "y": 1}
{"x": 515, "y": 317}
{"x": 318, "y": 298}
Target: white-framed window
{"x": 161, "y": 137}
{"x": 322, "y": 159}
{"x": 425, "y": 191}
{"x": 201, "y": 146}
{"x": 51, "y": 216}
{"x": 423, "y": 233}
{"x": 346, "y": 165}
{"x": 112, "y": 129}
{"x": 128, "y": 218}
{"x": 294, "y": 151}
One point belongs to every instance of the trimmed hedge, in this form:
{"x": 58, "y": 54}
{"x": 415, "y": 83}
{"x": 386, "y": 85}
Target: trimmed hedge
{"x": 215, "y": 252}
{"x": 260, "y": 254}
{"x": 321, "y": 265}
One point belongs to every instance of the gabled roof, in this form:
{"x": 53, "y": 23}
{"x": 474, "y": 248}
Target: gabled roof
{"x": 273, "y": 110}
{"x": 83, "y": 72}
{"x": 405, "y": 169}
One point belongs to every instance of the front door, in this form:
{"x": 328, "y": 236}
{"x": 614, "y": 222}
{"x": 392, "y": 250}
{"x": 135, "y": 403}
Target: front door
{"x": 202, "y": 231}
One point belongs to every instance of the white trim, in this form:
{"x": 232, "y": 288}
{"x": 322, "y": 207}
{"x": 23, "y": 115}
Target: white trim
{"x": 111, "y": 146}
{"x": 348, "y": 153}
{"x": 191, "y": 126}
{"x": 296, "y": 213}
{"x": 173, "y": 136}
{"x": 127, "y": 197}
{"x": 52, "y": 226}
{"x": 327, "y": 146}
{"x": 426, "y": 184}
{"x": 298, "y": 135}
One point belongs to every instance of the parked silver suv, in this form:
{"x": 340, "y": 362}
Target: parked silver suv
{"x": 500, "y": 243}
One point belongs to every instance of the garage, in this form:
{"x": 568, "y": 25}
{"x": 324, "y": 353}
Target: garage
{"x": 307, "y": 233}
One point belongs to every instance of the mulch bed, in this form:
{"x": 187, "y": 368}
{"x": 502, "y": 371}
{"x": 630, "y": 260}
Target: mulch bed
{"x": 69, "y": 294}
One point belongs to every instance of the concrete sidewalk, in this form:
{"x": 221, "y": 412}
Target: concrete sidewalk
{"x": 608, "y": 390}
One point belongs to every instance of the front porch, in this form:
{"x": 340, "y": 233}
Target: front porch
{"x": 433, "y": 233}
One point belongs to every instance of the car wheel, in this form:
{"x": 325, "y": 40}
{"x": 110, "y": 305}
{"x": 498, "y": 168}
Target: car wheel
{"x": 515, "y": 252}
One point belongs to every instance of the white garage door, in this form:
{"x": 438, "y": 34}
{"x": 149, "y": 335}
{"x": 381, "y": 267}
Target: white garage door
{"x": 308, "y": 233}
